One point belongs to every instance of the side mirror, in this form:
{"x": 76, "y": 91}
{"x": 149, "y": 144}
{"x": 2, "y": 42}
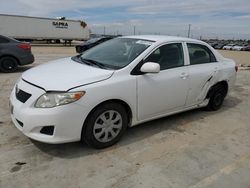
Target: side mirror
{"x": 150, "y": 67}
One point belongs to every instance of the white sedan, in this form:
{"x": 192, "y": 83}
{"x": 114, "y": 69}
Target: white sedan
{"x": 238, "y": 48}
{"x": 228, "y": 47}
{"x": 95, "y": 96}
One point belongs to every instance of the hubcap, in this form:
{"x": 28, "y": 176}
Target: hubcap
{"x": 218, "y": 99}
{"x": 8, "y": 64}
{"x": 107, "y": 126}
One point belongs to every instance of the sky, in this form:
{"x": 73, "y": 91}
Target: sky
{"x": 223, "y": 19}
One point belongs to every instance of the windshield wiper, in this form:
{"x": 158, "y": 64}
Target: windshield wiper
{"x": 93, "y": 62}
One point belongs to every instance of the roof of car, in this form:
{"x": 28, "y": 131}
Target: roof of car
{"x": 161, "y": 38}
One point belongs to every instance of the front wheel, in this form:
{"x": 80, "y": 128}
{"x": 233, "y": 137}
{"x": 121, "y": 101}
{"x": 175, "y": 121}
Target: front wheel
{"x": 105, "y": 125}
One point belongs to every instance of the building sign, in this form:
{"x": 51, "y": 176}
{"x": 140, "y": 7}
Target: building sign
{"x": 61, "y": 25}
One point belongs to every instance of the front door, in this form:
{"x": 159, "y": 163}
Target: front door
{"x": 165, "y": 91}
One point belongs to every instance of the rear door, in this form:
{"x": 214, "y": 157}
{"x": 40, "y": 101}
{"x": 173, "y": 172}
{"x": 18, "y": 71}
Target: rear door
{"x": 203, "y": 72}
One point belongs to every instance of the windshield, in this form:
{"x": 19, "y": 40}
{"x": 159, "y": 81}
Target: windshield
{"x": 116, "y": 53}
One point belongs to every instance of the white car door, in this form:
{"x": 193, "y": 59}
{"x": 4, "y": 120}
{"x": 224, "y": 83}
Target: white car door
{"x": 165, "y": 91}
{"x": 203, "y": 72}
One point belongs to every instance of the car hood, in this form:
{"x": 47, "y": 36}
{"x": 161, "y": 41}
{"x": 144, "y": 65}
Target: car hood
{"x": 65, "y": 74}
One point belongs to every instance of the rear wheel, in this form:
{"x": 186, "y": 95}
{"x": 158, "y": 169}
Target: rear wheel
{"x": 105, "y": 125}
{"x": 8, "y": 64}
{"x": 217, "y": 96}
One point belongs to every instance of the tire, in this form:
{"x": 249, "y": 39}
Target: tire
{"x": 216, "y": 98}
{"x": 104, "y": 120}
{"x": 8, "y": 64}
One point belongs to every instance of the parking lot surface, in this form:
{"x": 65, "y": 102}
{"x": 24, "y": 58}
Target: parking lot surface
{"x": 191, "y": 149}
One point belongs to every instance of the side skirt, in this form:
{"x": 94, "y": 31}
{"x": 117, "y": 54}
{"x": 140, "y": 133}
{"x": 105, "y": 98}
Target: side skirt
{"x": 200, "y": 105}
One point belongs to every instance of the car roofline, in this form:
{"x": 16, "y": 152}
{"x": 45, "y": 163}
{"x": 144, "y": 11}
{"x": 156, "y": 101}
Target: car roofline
{"x": 162, "y": 38}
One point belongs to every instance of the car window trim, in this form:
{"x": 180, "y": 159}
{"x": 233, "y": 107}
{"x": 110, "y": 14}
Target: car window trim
{"x": 136, "y": 69}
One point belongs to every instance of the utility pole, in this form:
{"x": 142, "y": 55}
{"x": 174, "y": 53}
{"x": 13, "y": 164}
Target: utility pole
{"x": 189, "y": 29}
{"x": 134, "y": 29}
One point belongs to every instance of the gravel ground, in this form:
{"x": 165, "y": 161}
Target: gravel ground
{"x": 240, "y": 57}
{"x": 191, "y": 149}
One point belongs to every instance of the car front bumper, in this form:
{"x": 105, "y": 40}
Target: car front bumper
{"x": 67, "y": 120}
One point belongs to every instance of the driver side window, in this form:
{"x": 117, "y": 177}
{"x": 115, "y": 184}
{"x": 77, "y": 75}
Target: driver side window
{"x": 168, "y": 56}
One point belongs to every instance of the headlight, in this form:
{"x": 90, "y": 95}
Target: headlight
{"x": 49, "y": 100}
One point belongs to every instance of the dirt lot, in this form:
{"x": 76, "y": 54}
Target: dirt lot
{"x": 192, "y": 149}
{"x": 240, "y": 57}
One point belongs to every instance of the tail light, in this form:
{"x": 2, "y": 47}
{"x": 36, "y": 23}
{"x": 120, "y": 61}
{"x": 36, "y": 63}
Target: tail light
{"x": 24, "y": 46}
{"x": 236, "y": 68}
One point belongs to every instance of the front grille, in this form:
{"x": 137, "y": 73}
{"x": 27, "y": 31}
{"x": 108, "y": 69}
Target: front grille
{"x": 22, "y": 95}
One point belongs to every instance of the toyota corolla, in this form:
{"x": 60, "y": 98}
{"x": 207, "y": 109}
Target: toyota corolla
{"x": 123, "y": 82}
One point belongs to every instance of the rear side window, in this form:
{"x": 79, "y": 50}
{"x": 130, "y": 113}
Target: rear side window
{"x": 200, "y": 54}
{"x": 3, "y": 40}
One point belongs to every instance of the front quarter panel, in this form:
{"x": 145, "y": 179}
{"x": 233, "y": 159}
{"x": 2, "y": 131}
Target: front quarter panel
{"x": 121, "y": 86}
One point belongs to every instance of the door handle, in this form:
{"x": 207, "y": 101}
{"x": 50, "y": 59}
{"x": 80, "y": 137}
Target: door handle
{"x": 184, "y": 75}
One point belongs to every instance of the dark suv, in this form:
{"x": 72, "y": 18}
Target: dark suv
{"x": 14, "y": 53}
{"x": 91, "y": 43}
